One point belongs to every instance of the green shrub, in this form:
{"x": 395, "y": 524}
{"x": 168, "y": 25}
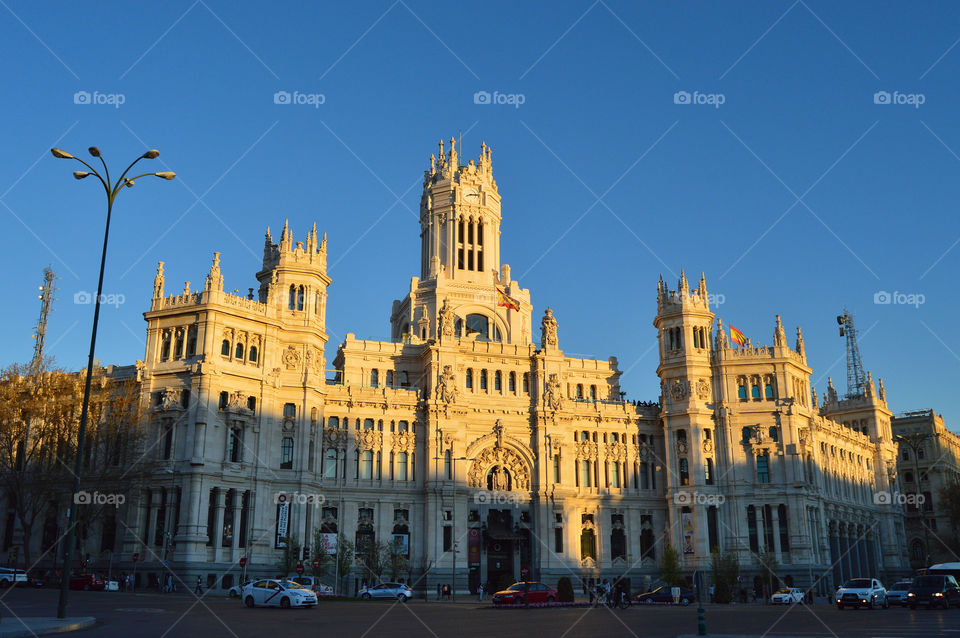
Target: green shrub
{"x": 565, "y": 590}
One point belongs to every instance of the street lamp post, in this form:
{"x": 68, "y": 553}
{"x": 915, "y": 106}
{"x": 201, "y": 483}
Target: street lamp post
{"x": 112, "y": 189}
{"x": 915, "y": 441}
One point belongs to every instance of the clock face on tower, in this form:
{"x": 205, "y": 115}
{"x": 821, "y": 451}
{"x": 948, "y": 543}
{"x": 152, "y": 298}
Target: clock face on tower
{"x": 471, "y": 194}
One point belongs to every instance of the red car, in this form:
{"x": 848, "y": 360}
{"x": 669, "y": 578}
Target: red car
{"x": 88, "y": 582}
{"x": 514, "y": 594}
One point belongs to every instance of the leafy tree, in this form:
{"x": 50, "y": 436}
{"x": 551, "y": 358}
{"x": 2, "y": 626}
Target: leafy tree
{"x": 726, "y": 571}
{"x": 373, "y": 557}
{"x": 397, "y": 561}
{"x": 565, "y": 590}
{"x": 343, "y": 559}
{"x": 290, "y": 557}
{"x": 768, "y": 570}
{"x": 670, "y": 567}
{"x": 325, "y": 561}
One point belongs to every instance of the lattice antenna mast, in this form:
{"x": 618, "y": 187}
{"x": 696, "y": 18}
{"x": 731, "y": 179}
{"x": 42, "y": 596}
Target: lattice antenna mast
{"x": 856, "y": 380}
{"x": 46, "y": 300}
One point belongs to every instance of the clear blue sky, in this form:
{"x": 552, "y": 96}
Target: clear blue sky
{"x": 798, "y": 195}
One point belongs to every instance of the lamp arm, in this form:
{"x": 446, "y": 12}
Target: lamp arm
{"x": 120, "y": 180}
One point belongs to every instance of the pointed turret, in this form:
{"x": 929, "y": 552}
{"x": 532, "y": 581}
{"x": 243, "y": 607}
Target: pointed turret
{"x": 683, "y": 287}
{"x": 869, "y": 389}
{"x": 702, "y": 288}
{"x": 831, "y": 391}
{"x": 779, "y": 336}
{"x": 158, "y": 281}
{"x": 214, "y": 278}
{"x": 720, "y": 338}
{"x": 454, "y": 161}
{"x": 881, "y": 391}
{"x": 815, "y": 400}
{"x": 800, "y": 348}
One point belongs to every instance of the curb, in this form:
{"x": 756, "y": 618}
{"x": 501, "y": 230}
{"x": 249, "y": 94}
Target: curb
{"x": 37, "y": 626}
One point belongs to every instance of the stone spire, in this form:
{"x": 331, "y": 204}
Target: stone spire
{"x": 454, "y": 161}
{"x": 214, "y": 279}
{"x": 779, "y": 336}
{"x": 286, "y": 237}
{"x": 869, "y": 389}
{"x": 801, "y": 349}
{"x": 831, "y": 391}
{"x": 683, "y": 287}
{"x": 158, "y": 282}
{"x": 720, "y": 340}
{"x": 702, "y": 288}
{"x": 813, "y": 395}
{"x": 881, "y": 391}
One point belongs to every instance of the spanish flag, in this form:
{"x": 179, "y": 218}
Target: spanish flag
{"x": 737, "y": 337}
{"x": 506, "y": 300}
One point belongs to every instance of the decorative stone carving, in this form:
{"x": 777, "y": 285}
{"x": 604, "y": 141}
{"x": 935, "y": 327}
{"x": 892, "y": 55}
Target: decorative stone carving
{"x": 334, "y": 438}
{"x": 644, "y": 451}
{"x": 170, "y": 400}
{"x": 552, "y": 398}
{"x": 681, "y": 446}
{"x": 369, "y": 440}
{"x": 586, "y": 450}
{"x": 446, "y": 320}
{"x": 447, "y": 386}
{"x": 708, "y": 445}
{"x": 237, "y": 402}
{"x": 803, "y": 435}
{"x": 678, "y": 389}
{"x": 507, "y": 461}
{"x": 703, "y": 389}
{"x": 616, "y": 452}
{"x": 404, "y": 441}
{"x": 291, "y": 358}
{"x": 548, "y": 326}
{"x": 498, "y": 432}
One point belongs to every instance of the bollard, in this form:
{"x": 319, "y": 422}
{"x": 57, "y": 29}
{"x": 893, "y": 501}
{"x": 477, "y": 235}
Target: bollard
{"x": 701, "y": 621}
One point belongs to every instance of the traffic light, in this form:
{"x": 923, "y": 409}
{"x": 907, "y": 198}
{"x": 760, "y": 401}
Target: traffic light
{"x": 306, "y": 552}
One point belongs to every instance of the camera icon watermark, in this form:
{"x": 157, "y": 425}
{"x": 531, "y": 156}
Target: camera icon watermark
{"x": 299, "y": 498}
{"x": 897, "y": 498}
{"x": 84, "y": 497}
{"x": 709, "y": 99}
{"x": 494, "y": 497}
{"x": 689, "y": 498}
{"x": 897, "y": 298}
{"x": 301, "y": 99}
{"x": 108, "y": 99}
{"x": 908, "y": 99}
{"x": 510, "y": 99}
{"x": 84, "y": 298}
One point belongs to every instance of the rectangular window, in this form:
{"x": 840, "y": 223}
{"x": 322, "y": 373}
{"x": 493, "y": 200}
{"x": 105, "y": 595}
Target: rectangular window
{"x": 585, "y": 473}
{"x": 286, "y": 453}
{"x": 763, "y": 469}
{"x": 236, "y": 445}
{"x": 447, "y": 538}
{"x": 558, "y": 540}
{"x": 556, "y": 468}
{"x": 289, "y": 410}
{"x": 615, "y": 475}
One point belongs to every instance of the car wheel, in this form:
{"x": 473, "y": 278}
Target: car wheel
{"x": 248, "y": 601}
{"x": 550, "y": 599}
{"x": 648, "y": 601}
{"x": 684, "y": 602}
{"x": 402, "y": 598}
{"x": 233, "y": 594}
{"x": 364, "y": 596}
{"x": 285, "y": 602}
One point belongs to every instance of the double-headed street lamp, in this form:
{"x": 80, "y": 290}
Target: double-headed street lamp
{"x": 112, "y": 189}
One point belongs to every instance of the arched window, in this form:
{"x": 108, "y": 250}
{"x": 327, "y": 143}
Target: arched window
{"x": 286, "y": 453}
{"x": 238, "y": 354}
{"x": 478, "y": 325}
{"x": 768, "y": 391}
{"x": 178, "y": 346}
{"x": 401, "y": 467}
{"x": 741, "y": 390}
{"x": 526, "y": 383}
{"x": 512, "y": 382}
{"x": 368, "y": 424}
{"x": 755, "y": 391}
{"x": 579, "y": 390}
{"x": 300, "y": 297}
{"x": 404, "y": 379}
{"x": 292, "y": 301}
{"x": 593, "y": 392}
{"x": 225, "y": 348}
{"x": 588, "y": 544}
{"x": 497, "y": 381}
{"x": 253, "y": 354}
{"x": 374, "y": 377}
{"x": 366, "y": 464}
{"x": 165, "y": 350}
{"x": 333, "y": 423}
{"x": 483, "y": 379}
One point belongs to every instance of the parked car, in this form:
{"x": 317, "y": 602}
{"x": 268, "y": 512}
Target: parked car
{"x": 862, "y": 592}
{"x": 515, "y": 594}
{"x": 311, "y": 582}
{"x": 274, "y": 593}
{"x": 9, "y": 576}
{"x": 939, "y": 590}
{"x": 236, "y": 590}
{"x": 111, "y": 585}
{"x": 897, "y": 594}
{"x": 87, "y": 582}
{"x": 398, "y": 591}
{"x": 664, "y": 595}
{"x": 787, "y": 596}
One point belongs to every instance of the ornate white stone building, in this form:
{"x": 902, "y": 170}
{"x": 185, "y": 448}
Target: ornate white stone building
{"x": 478, "y": 443}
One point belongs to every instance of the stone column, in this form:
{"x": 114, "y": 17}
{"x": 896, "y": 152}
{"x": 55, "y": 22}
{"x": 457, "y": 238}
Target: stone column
{"x": 152, "y": 517}
{"x": 237, "y": 509}
{"x": 219, "y": 507}
{"x": 775, "y": 526}
{"x": 835, "y": 554}
{"x": 845, "y": 568}
{"x": 867, "y": 567}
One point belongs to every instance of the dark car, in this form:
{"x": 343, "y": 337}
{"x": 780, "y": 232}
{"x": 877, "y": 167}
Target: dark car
{"x": 664, "y": 595}
{"x": 514, "y": 594}
{"x": 88, "y": 582}
{"x": 934, "y": 591}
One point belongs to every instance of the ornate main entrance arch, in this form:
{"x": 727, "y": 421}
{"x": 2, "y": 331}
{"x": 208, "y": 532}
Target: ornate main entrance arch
{"x": 500, "y": 469}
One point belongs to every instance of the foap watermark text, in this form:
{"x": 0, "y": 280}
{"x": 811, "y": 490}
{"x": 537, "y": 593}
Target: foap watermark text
{"x": 98, "y": 98}
{"x": 898, "y": 98}
{"x": 300, "y": 99}
{"x": 698, "y": 498}
{"x": 509, "y": 99}
{"x": 696, "y": 97}
{"x": 299, "y": 498}
{"x": 84, "y": 298}
{"x": 488, "y": 497}
{"x": 84, "y": 497}
{"x": 897, "y": 298}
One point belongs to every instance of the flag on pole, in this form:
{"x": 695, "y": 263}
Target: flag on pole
{"x": 737, "y": 337}
{"x": 506, "y": 300}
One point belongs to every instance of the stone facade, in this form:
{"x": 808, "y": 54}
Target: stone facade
{"x": 485, "y": 448}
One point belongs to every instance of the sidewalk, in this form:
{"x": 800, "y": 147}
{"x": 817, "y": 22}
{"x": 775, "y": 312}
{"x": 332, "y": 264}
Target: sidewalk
{"x": 12, "y": 627}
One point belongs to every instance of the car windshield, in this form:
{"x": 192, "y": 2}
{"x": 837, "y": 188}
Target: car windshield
{"x": 515, "y": 587}
{"x": 289, "y": 584}
{"x": 857, "y": 583}
{"x": 783, "y": 591}
{"x": 928, "y": 581}
{"x": 900, "y": 587}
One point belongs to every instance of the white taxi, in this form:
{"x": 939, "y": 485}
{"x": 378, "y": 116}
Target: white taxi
{"x": 275, "y": 593}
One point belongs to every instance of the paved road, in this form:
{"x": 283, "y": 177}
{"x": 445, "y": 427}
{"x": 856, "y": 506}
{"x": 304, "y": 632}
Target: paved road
{"x": 155, "y": 616}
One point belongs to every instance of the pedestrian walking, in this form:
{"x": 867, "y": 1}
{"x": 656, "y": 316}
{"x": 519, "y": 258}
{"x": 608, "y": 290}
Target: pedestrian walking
{"x": 480, "y": 589}
{"x": 439, "y": 590}
{"x": 712, "y": 589}
{"x": 199, "y": 589}
{"x": 130, "y": 582}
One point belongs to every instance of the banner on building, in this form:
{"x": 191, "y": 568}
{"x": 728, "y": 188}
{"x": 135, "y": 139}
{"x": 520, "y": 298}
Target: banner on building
{"x": 330, "y": 543}
{"x": 474, "y": 542}
{"x": 686, "y": 523}
{"x": 283, "y": 520}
